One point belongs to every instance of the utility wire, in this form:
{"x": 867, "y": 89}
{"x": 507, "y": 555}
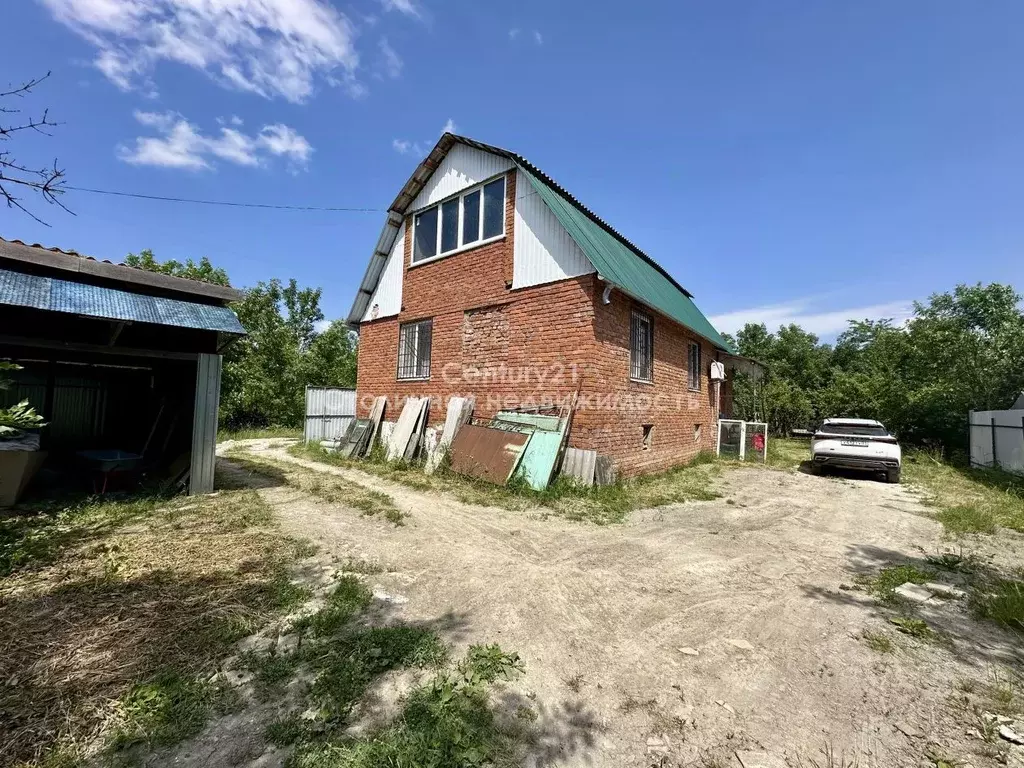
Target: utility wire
{"x": 222, "y": 202}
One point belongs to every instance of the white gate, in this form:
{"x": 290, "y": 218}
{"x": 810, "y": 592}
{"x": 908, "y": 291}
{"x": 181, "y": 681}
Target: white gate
{"x": 997, "y": 440}
{"x": 742, "y": 440}
{"x": 329, "y": 411}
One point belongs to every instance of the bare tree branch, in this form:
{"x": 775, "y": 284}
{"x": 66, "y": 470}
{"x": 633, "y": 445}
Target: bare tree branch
{"x": 48, "y": 181}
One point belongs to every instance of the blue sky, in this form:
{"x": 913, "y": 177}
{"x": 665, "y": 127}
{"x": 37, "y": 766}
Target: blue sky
{"x": 784, "y": 160}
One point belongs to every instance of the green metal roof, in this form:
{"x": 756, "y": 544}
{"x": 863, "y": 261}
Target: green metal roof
{"x": 623, "y": 267}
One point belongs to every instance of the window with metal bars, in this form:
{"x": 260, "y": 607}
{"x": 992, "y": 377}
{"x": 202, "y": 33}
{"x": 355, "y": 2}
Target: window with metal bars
{"x": 641, "y": 346}
{"x": 414, "y": 349}
{"x": 694, "y": 365}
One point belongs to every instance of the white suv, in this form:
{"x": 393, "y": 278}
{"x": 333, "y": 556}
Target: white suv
{"x": 856, "y": 444}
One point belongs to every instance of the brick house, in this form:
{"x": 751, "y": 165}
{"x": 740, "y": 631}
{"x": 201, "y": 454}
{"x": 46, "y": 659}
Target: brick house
{"x": 490, "y": 279}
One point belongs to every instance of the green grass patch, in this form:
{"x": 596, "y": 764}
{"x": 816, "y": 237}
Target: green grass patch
{"x": 167, "y": 709}
{"x": 965, "y": 518}
{"x": 879, "y": 642}
{"x": 1001, "y": 601}
{"x": 348, "y": 597}
{"x": 787, "y": 453}
{"x": 448, "y": 721}
{"x": 916, "y": 628}
{"x": 968, "y": 500}
{"x": 257, "y": 433}
{"x": 563, "y": 498}
{"x": 883, "y": 584}
{"x": 284, "y": 731}
{"x": 270, "y": 671}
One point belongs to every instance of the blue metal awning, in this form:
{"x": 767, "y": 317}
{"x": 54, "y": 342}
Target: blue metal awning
{"x": 48, "y": 293}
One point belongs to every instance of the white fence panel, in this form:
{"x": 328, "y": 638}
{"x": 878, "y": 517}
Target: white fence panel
{"x": 329, "y": 411}
{"x": 997, "y": 440}
{"x": 743, "y": 440}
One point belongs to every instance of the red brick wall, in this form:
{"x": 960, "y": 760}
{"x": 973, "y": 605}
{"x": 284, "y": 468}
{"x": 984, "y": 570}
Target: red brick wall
{"x": 533, "y": 346}
{"x": 667, "y": 403}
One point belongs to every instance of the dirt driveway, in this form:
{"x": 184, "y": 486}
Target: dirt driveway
{"x": 749, "y": 585}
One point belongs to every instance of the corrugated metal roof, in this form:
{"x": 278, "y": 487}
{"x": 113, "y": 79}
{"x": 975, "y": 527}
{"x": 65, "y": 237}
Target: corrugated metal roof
{"x": 616, "y": 259}
{"x": 78, "y": 262}
{"x": 617, "y": 264}
{"x": 47, "y": 293}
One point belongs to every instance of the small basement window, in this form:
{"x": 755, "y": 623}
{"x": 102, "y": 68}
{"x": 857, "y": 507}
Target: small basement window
{"x": 648, "y": 436}
{"x": 414, "y": 349}
{"x": 696, "y": 433}
{"x": 641, "y": 346}
{"x": 694, "y": 366}
{"x": 471, "y": 217}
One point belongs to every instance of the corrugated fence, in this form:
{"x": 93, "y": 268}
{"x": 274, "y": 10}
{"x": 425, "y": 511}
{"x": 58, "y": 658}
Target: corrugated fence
{"x": 329, "y": 411}
{"x": 997, "y": 440}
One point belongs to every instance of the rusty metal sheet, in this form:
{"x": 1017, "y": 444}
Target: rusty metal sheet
{"x": 489, "y": 454}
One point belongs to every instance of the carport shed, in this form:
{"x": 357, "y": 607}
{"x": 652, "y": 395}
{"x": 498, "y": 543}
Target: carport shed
{"x": 116, "y": 358}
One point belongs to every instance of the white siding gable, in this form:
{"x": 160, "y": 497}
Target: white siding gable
{"x": 462, "y": 167}
{"x": 387, "y": 297}
{"x": 544, "y": 251}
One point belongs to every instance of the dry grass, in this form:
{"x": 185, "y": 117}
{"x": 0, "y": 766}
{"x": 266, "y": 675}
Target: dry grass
{"x": 256, "y": 433}
{"x": 601, "y": 505}
{"x": 113, "y": 616}
{"x": 330, "y": 488}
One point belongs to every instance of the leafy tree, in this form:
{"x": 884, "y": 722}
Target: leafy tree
{"x": 962, "y": 350}
{"x": 203, "y": 271}
{"x": 330, "y": 360}
{"x": 302, "y": 306}
{"x": 262, "y": 384}
{"x": 266, "y": 372}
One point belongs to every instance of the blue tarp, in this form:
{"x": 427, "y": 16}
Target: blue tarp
{"x": 55, "y": 295}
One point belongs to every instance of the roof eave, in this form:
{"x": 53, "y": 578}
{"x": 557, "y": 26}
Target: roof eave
{"x": 425, "y": 169}
{"x": 75, "y": 264}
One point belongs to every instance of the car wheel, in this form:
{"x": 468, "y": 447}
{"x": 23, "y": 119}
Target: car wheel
{"x": 893, "y": 476}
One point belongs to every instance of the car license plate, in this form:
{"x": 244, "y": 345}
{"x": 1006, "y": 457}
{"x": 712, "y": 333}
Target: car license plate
{"x": 856, "y": 443}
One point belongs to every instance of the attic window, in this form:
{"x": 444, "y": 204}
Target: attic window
{"x": 470, "y": 218}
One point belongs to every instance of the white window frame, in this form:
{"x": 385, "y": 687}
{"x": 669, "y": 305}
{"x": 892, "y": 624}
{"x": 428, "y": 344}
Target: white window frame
{"x": 462, "y": 194}
{"x": 416, "y": 327}
{"x": 691, "y": 374}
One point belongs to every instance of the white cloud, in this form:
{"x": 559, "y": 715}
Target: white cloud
{"x": 535, "y": 35}
{"x": 392, "y": 61}
{"x": 403, "y": 147}
{"x": 181, "y": 145}
{"x": 269, "y": 47}
{"x": 812, "y": 315}
{"x": 408, "y": 7}
{"x": 421, "y": 148}
{"x": 322, "y": 325}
